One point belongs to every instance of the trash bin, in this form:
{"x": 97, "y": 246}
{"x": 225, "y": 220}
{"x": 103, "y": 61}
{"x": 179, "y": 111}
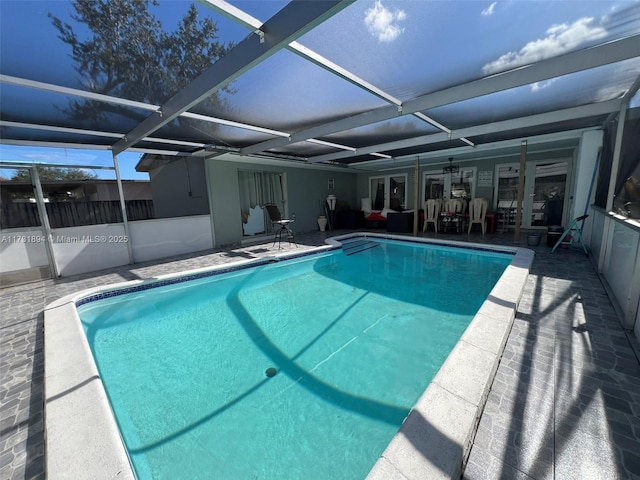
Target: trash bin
{"x": 554, "y": 232}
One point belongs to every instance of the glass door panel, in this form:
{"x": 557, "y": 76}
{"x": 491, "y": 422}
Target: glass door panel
{"x": 388, "y": 192}
{"x": 548, "y": 193}
{"x": 445, "y": 186}
{"x": 507, "y": 198}
{"x": 377, "y": 193}
{"x": 462, "y": 184}
{"x": 544, "y": 200}
{"x": 434, "y": 186}
{"x": 398, "y": 190}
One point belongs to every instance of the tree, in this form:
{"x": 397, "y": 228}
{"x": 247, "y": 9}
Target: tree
{"x": 51, "y": 173}
{"x": 128, "y": 54}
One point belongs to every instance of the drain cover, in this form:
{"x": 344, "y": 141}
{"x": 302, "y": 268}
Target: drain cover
{"x": 270, "y": 372}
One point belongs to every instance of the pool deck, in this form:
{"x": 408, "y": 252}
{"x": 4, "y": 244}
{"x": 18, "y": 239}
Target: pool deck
{"x": 565, "y": 402}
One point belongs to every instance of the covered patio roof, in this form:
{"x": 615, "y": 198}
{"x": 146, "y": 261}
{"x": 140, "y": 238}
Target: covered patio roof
{"x": 361, "y": 85}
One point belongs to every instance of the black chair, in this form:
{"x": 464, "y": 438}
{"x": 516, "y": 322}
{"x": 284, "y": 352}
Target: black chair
{"x": 280, "y": 225}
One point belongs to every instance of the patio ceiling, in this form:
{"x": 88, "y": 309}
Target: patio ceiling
{"x": 357, "y": 84}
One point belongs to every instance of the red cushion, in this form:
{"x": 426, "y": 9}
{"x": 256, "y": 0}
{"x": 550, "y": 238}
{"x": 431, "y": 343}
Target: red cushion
{"x": 375, "y": 216}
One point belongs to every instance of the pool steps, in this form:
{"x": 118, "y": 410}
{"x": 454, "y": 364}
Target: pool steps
{"x": 351, "y": 248}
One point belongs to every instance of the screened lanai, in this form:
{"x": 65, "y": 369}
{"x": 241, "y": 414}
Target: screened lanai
{"x": 321, "y": 98}
{"x": 353, "y": 89}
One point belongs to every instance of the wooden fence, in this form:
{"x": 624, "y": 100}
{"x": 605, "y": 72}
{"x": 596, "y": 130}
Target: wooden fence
{"x": 73, "y": 214}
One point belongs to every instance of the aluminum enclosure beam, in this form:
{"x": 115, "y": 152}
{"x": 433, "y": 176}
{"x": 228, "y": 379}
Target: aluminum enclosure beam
{"x": 599, "y": 55}
{"x": 74, "y": 92}
{"x": 293, "y": 21}
{"x": 98, "y": 97}
{"x": 439, "y": 155}
{"x": 96, "y": 133}
{"x": 239, "y": 16}
{"x": 572, "y": 113}
{"x": 44, "y": 221}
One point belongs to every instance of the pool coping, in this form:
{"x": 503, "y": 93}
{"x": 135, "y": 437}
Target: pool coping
{"x": 433, "y": 442}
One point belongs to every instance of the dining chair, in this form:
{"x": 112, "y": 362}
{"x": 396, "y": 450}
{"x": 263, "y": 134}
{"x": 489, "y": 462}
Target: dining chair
{"x": 431, "y": 214}
{"x": 451, "y": 215}
{"x": 477, "y": 213}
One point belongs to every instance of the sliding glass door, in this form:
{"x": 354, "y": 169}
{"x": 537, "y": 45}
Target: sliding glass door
{"x": 258, "y": 189}
{"x": 388, "y": 191}
{"x": 434, "y": 186}
{"x": 547, "y": 193}
{"x": 444, "y": 186}
{"x": 544, "y": 200}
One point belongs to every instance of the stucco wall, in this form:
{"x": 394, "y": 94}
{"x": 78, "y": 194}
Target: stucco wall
{"x": 306, "y": 189}
{"x": 179, "y": 188}
{"x": 480, "y": 164}
{"x": 587, "y": 156}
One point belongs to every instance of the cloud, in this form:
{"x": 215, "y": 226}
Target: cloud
{"x": 382, "y": 23}
{"x": 489, "y": 10}
{"x": 560, "y": 39}
{"x": 536, "y": 87}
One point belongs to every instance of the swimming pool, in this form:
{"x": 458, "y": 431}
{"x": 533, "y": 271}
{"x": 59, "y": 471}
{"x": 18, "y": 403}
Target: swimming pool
{"x": 326, "y": 363}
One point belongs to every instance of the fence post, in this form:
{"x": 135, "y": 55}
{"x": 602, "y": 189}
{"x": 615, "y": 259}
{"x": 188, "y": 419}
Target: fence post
{"x": 123, "y": 208}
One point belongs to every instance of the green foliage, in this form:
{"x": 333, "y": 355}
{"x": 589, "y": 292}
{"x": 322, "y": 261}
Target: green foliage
{"x": 50, "y": 174}
{"x": 128, "y": 54}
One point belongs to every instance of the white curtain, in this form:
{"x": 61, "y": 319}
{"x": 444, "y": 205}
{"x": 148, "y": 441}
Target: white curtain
{"x": 260, "y": 188}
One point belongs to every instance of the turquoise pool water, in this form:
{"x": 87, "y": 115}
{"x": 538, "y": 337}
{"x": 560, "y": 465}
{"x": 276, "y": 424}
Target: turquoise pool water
{"x": 355, "y": 336}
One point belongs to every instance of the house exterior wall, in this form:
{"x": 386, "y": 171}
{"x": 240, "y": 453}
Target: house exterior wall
{"x": 306, "y": 189}
{"x": 480, "y": 164}
{"x": 179, "y": 188}
{"x": 224, "y": 198}
{"x": 590, "y": 143}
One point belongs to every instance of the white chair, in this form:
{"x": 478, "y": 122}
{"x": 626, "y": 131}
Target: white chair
{"x": 477, "y": 213}
{"x": 453, "y": 205}
{"x": 431, "y": 214}
{"x": 464, "y": 205}
{"x": 452, "y": 214}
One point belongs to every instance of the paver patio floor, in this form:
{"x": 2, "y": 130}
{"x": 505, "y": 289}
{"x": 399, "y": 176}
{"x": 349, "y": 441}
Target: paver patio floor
{"x": 565, "y": 402}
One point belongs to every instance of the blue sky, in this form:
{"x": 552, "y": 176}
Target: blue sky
{"x": 73, "y": 156}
